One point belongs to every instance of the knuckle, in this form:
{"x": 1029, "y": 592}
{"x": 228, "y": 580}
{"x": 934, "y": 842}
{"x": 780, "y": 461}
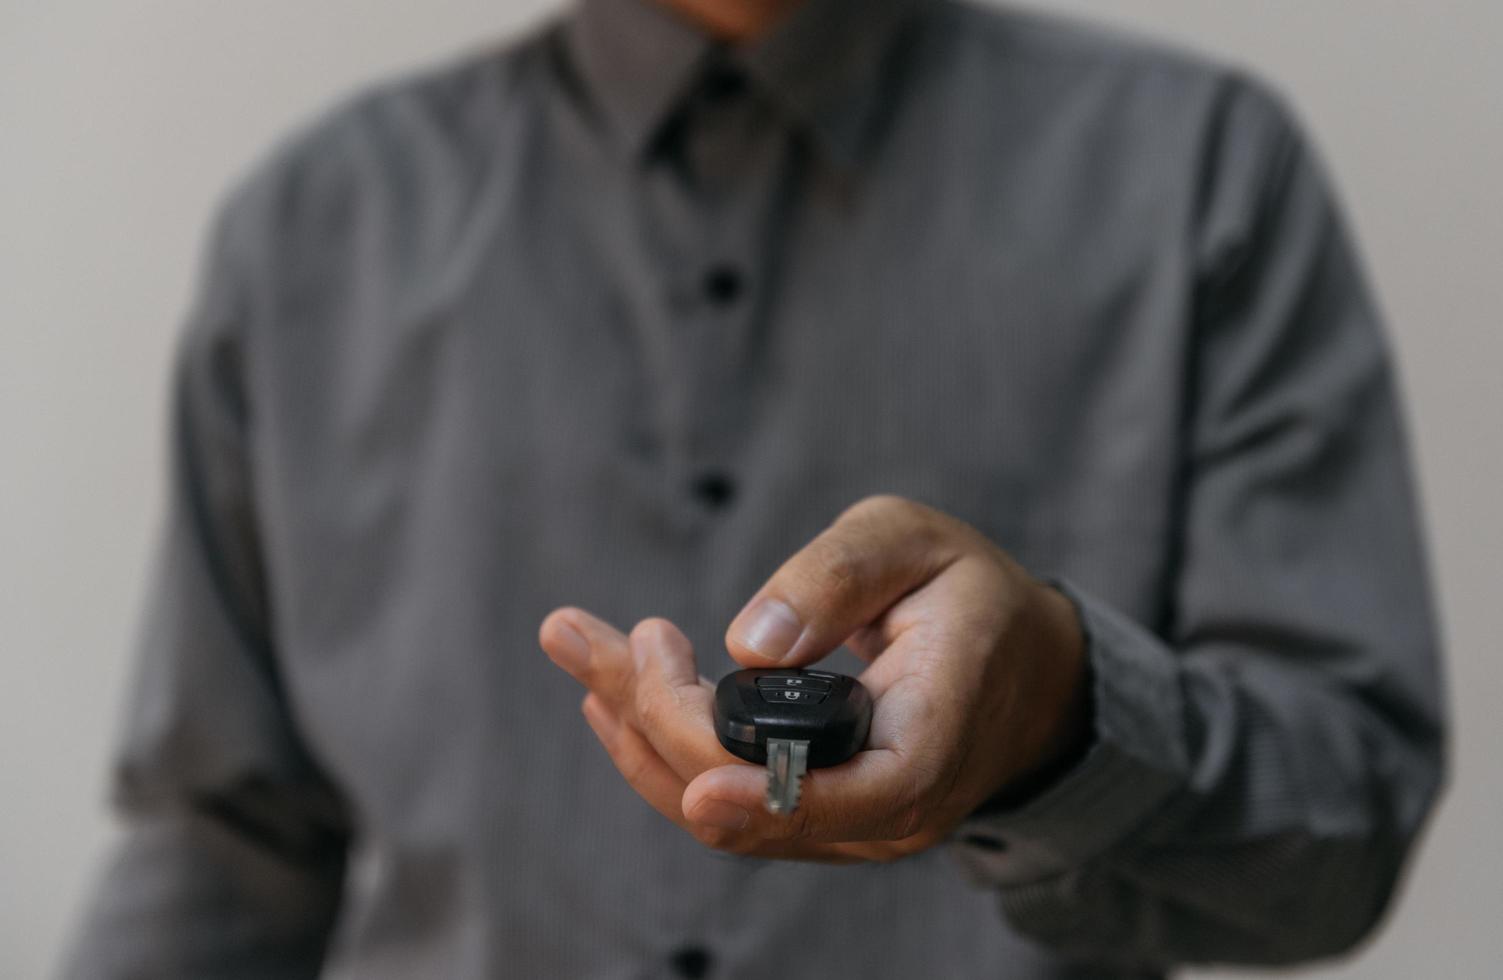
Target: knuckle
{"x": 633, "y": 766}
{"x": 923, "y": 528}
{"x": 876, "y": 505}
{"x": 606, "y": 678}
{"x": 839, "y": 567}
{"x": 908, "y": 821}
{"x": 798, "y": 826}
{"x": 648, "y": 629}
{"x": 934, "y": 788}
{"x": 649, "y": 708}
{"x": 918, "y": 799}
{"x": 927, "y": 787}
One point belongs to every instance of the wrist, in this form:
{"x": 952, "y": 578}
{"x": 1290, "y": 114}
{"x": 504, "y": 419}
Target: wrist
{"x": 1065, "y": 649}
{"x": 1063, "y": 729}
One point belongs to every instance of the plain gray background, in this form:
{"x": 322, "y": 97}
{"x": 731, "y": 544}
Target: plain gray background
{"x": 121, "y": 123}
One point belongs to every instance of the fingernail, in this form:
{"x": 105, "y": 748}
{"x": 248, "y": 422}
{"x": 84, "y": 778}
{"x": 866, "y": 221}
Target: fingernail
{"x": 769, "y": 629}
{"x": 570, "y": 648}
{"x": 719, "y": 813}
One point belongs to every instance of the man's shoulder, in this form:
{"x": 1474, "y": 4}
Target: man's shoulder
{"x": 1061, "y": 50}
{"x": 434, "y": 123}
{"x": 1151, "y": 88}
{"x": 1063, "y": 42}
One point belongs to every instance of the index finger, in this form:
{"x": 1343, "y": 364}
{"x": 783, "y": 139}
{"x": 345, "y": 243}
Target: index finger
{"x": 875, "y": 552}
{"x": 672, "y": 706}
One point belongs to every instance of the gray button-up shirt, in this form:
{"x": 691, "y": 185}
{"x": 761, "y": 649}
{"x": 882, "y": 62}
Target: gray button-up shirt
{"x": 613, "y": 316}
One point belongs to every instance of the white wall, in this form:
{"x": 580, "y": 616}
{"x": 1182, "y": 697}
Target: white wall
{"x": 120, "y": 122}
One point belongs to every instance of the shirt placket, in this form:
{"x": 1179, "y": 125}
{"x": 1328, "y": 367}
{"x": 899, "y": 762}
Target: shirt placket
{"x": 717, "y": 204}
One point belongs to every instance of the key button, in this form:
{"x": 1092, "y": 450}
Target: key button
{"x": 791, "y": 695}
{"x": 801, "y": 683}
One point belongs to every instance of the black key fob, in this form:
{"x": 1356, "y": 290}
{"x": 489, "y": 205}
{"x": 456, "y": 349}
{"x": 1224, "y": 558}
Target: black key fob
{"x": 829, "y": 712}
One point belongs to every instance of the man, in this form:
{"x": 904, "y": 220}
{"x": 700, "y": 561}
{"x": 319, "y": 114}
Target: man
{"x": 1030, "y": 365}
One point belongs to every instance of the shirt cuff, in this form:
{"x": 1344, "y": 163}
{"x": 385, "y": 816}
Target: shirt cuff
{"x": 1138, "y": 760}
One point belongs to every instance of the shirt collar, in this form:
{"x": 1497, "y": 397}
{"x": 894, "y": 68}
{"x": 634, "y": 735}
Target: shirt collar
{"x": 822, "y": 65}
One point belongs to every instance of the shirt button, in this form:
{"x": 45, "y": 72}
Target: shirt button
{"x": 722, "y": 83}
{"x": 692, "y": 962}
{"x": 723, "y": 285}
{"x": 986, "y": 843}
{"x": 714, "y": 489}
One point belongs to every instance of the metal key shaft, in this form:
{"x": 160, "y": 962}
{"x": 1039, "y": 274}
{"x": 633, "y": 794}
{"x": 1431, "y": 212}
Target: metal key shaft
{"x": 787, "y": 761}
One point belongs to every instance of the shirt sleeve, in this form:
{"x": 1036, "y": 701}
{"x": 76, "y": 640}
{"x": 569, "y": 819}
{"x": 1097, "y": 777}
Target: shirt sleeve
{"x": 1264, "y": 762}
{"x": 232, "y": 848}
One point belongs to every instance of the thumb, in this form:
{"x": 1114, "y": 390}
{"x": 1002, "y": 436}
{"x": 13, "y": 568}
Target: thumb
{"x": 872, "y": 555}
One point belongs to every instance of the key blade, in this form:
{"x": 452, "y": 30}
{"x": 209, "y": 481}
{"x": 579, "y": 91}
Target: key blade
{"x": 787, "y": 761}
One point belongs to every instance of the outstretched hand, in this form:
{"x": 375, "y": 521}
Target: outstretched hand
{"x": 977, "y": 673}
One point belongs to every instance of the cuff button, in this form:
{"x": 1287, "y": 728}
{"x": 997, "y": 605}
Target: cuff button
{"x": 994, "y": 844}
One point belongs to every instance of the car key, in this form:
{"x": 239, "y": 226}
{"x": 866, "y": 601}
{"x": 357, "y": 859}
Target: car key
{"x": 791, "y": 720}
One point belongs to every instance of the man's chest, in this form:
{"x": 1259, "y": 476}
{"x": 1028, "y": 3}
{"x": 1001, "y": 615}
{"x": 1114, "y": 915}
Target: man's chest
{"x": 596, "y": 401}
